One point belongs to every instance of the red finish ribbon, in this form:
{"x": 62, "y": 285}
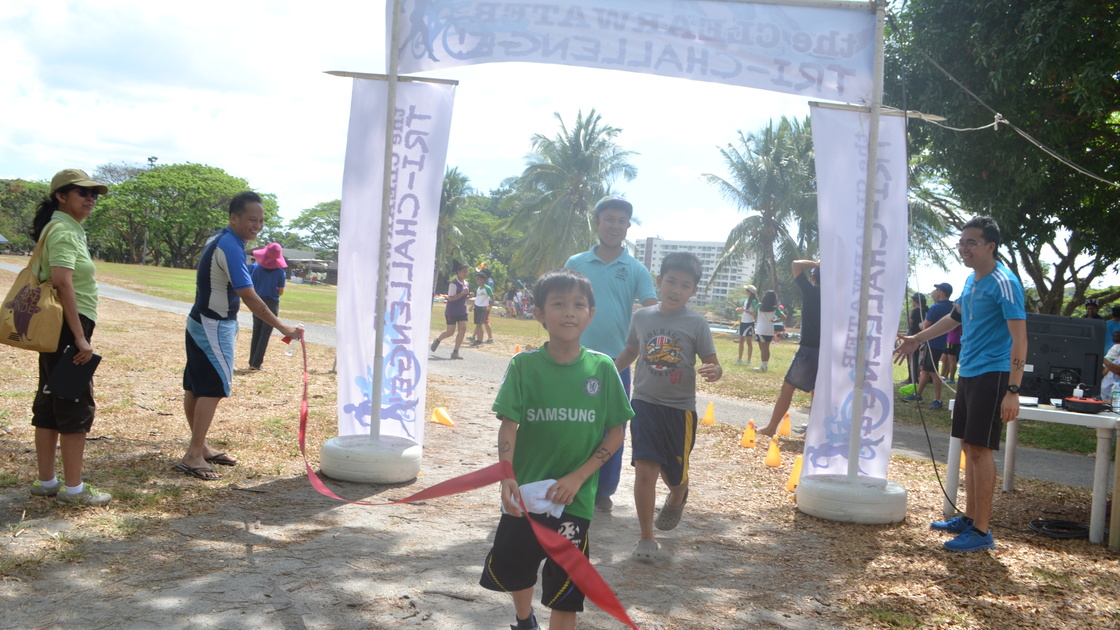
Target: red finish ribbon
{"x": 559, "y": 548}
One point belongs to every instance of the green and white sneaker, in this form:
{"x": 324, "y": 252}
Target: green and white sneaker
{"x": 39, "y": 490}
{"x": 88, "y": 496}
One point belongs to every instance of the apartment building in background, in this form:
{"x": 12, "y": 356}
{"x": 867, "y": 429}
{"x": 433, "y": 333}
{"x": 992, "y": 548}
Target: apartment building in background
{"x": 651, "y": 250}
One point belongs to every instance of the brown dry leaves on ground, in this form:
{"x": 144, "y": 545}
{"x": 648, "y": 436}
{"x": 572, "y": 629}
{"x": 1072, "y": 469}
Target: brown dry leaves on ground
{"x": 743, "y": 556}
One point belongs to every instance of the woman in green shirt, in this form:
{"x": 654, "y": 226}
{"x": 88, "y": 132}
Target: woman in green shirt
{"x": 58, "y": 222}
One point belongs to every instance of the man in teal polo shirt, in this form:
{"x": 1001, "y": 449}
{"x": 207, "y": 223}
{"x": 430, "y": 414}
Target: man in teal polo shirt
{"x": 617, "y": 279}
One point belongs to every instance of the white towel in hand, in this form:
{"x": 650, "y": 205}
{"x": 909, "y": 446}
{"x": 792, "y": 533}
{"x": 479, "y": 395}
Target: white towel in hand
{"x": 533, "y": 496}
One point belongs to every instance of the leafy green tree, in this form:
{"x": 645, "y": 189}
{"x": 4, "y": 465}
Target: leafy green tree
{"x": 320, "y": 227}
{"x": 18, "y": 199}
{"x": 554, "y": 197}
{"x": 1049, "y": 68}
{"x": 453, "y": 197}
{"x": 287, "y": 238}
{"x": 120, "y": 173}
{"x": 482, "y": 224}
{"x": 771, "y": 179}
{"x": 175, "y": 206}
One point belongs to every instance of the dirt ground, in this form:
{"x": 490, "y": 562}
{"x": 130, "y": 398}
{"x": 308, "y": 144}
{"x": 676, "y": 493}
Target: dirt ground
{"x": 281, "y": 556}
{"x": 263, "y": 550}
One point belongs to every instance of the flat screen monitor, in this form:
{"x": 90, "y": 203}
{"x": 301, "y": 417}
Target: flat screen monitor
{"x": 1062, "y": 353}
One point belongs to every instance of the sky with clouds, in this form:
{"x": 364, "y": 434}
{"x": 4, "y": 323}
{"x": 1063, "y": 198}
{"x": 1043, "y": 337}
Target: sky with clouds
{"x": 241, "y": 86}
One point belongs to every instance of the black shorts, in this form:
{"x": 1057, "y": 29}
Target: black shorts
{"x": 929, "y": 363}
{"x": 764, "y": 338}
{"x": 952, "y": 349}
{"x": 453, "y": 319}
{"x": 746, "y": 329}
{"x": 977, "y": 415}
{"x": 664, "y": 435}
{"x": 516, "y": 556}
{"x": 802, "y": 372}
{"x": 480, "y": 315}
{"x": 57, "y": 414}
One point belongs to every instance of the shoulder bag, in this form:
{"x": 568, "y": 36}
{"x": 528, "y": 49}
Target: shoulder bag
{"x": 31, "y": 314}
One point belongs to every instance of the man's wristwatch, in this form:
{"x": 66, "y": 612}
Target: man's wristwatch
{"x": 1014, "y": 389}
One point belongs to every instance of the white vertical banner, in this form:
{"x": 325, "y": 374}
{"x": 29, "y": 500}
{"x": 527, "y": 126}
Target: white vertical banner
{"x": 420, "y": 131}
{"x": 840, "y": 141}
{"x": 821, "y": 51}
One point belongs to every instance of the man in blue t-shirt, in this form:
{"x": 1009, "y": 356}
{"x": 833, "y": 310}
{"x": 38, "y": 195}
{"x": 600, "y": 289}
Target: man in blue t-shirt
{"x": 223, "y": 282}
{"x": 934, "y": 348}
{"x": 993, "y": 358}
{"x": 617, "y": 279}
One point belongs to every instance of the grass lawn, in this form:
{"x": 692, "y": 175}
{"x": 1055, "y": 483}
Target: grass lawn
{"x": 305, "y": 303}
{"x": 316, "y": 304}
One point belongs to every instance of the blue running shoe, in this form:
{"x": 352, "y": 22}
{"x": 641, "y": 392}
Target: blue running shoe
{"x": 955, "y": 525}
{"x": 971, "y": 540}
{"x": 935, "y": 405}
{"x": 913, "y": 398}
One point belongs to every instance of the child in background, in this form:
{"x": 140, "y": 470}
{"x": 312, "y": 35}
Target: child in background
{"x": 455, "y": 313}
{"x": 483, "y": 298}
{"x": 562, "y": 408}
{"x": 666, "y": 338}
{"x": 749, "y": 311}
{"x": 768, "y": 312}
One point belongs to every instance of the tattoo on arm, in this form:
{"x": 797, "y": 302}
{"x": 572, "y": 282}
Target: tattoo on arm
{"x": 503, "y": 447}
{"x": 603, "y": 454}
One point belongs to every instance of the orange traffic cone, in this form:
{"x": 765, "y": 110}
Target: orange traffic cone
{"x": 962, "y": 460}
{"x": 773, "y": 454}
{"x": 709, "y": 415}
{"x": 783, "y": 426}
{"x": 516, "y": 349}
{"x": 794, "y": 475}
{"x": 439, "y": 416}
{"x": 748, "y": 436}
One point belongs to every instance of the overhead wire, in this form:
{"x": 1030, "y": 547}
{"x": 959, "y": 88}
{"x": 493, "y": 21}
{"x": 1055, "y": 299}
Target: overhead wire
{"x": 998, "y": 118}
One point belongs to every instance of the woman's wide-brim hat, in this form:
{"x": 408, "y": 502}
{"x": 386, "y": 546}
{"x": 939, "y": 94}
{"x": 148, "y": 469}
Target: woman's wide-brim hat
{"x": 270, "y": 256}
{"x": 76, "y": 177}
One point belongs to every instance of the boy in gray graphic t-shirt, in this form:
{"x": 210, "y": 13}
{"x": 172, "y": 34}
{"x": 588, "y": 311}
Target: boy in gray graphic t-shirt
{"x": 666, "y": 339}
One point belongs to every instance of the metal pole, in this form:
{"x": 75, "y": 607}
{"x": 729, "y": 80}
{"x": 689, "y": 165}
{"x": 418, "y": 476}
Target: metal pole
{"x": 386, "y": 222}
{"x": 868, "y": 225}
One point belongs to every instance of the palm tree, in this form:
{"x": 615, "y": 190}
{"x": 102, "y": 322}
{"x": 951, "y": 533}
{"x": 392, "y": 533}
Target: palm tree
{"x": 771, "y": 179}
{"x": 555, "y": 195}
{"x": 456, "y": 190}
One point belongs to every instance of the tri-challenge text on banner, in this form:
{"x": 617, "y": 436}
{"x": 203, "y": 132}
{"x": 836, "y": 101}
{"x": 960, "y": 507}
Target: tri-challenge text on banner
{"x": 840, "y": 141}
{"x": 421, "y": 125}
{"x": 819, "y": 52}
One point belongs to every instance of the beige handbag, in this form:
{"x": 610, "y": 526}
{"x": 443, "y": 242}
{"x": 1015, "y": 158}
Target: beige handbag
{"x": 31, "y": 314}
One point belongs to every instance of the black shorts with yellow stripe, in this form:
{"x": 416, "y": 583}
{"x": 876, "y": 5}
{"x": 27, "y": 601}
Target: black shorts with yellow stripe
{"x": 664, "y": 435}
{"x": 516, "y": 556}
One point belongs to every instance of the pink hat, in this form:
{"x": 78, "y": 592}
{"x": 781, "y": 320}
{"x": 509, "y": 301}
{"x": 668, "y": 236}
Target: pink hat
{"x": 271, "y": 256}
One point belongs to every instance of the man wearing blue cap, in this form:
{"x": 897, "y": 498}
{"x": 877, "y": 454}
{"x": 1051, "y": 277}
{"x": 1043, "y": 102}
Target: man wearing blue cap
{"x": 617, "y": 278}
